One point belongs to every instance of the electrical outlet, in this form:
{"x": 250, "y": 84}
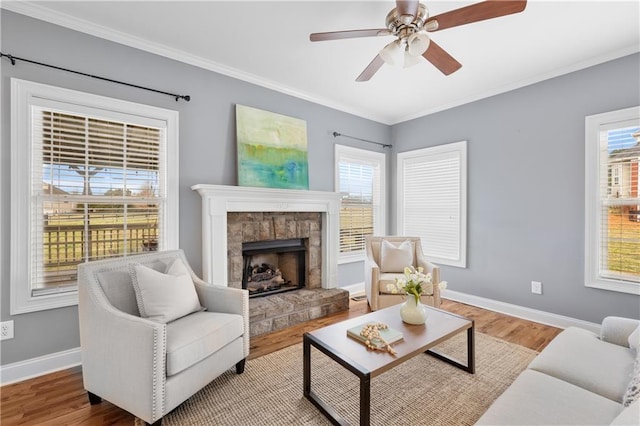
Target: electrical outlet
{"x": 6, "y": 330}
{"x": 536, "y": 287}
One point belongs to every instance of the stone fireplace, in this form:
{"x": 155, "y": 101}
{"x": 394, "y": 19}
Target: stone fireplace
{"x": 234, "y": 216}
{"x": 265, "y": 231}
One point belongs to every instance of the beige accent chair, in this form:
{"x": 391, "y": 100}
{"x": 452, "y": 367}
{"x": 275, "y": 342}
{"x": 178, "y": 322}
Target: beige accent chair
{"x": 146, "y": 367}
{"x": 377, "y": 278}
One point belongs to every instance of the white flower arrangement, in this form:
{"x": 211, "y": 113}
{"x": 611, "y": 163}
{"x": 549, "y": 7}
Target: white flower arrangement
{"x": 415, "y": 282}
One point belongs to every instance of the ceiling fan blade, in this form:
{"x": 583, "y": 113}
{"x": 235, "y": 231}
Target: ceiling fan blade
{"x": 441, "y": 59}
{"x": 476, "y": 12}
{"x": 338, "y": 35}
{"x": 407, "y": 10}
{"x": 371, "y": 69}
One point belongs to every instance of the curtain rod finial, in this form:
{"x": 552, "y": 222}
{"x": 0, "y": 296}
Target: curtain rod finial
{"x": 10, "y": 57}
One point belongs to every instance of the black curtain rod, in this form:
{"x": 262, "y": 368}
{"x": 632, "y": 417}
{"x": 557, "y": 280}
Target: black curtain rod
{"x": 384, "y": 145}
{"x": 13, "y": 60}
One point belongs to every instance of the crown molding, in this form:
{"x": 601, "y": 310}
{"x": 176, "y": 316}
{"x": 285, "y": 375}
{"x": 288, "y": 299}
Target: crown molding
{"x": 610, "y": 56}
{"x": 45, "y": 14}
{"x": 64, "y": 20}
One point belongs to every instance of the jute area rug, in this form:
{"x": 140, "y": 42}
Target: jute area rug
{"x": 421, "y": 391}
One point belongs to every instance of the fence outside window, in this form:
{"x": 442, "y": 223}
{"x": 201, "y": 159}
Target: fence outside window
{"x": 67, "y": 245}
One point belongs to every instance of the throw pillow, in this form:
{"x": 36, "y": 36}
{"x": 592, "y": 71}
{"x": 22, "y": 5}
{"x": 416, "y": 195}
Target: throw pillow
{"x": 395, "y": 259}
{"x": 634, "y": 339}
{"x": 164, "y": 297}
{"x": 633, "y": 389}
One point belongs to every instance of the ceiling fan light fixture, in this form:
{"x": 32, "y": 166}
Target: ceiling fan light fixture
{"x": 392, "y": 53}
{"x": 418, "y": 43}
{"x": 411, "y": 60}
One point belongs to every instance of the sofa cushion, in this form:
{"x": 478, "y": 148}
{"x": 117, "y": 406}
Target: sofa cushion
{"x": 579, "y": 357}
{"x": 536, "y": 398}
{"x": 395, "y": 259}
{"x": 192, "y": 338}
{"x": 164, "y": 297}
{"x": 629, "y": 416}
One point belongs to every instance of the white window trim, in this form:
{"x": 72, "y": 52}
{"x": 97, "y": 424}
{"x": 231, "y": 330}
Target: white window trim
{"x": 461, "y": 149}
{"x": 23, "y": 93}
{"x": 379, "y": 225}
{"x": 593, "y": 215}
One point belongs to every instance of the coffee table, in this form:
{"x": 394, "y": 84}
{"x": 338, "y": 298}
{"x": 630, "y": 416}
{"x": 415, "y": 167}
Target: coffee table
{"x": 367, "y": 364}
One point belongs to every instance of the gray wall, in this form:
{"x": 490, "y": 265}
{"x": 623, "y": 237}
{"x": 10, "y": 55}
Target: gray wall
{"x": 526, "y": 167}
{"x": 526, "y": 188}
{"x": 207, "y": 141}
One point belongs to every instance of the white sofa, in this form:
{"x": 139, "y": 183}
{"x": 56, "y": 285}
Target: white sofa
{"x": 580, "y": 378}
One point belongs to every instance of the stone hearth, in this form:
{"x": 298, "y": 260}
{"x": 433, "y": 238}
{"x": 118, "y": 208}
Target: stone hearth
{"x": 278, "y": 311}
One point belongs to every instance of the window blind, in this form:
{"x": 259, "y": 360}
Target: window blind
{"x": 356, "y": 208}
{"x": 359, "y": 178}
{"x": 619, "y": 199}
{"x": 97, "y": 193}
{"x": 432, "y": 195}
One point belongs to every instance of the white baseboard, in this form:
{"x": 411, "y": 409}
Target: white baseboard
{"x": 356, "y": 289}
{"x": 30, "y": 368}
{"x": 541, "y": 317}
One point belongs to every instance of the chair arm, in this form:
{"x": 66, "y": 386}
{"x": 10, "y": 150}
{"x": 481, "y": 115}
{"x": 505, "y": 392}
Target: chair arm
{"x": 371, "y": 280}
{"x": 435, "y": 276}
{"x": 617, "y": 330}
{"x": 217, "y": 298}
{"x": 121, "y": 348}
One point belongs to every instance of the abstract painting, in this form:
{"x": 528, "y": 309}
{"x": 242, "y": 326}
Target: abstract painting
{"x": 272, "y": 149}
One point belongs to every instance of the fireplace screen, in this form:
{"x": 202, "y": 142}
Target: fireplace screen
{"x": 273, "y": 266}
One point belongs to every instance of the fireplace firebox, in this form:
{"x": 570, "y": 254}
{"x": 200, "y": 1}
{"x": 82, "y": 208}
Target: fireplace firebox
{"x": 274, "y": 266}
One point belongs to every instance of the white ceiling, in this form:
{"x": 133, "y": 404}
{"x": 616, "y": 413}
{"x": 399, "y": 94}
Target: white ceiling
{"x": 267, "y": 43}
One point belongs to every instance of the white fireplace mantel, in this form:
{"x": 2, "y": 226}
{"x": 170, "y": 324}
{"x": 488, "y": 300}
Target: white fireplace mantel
{"x": 218, "y": 200}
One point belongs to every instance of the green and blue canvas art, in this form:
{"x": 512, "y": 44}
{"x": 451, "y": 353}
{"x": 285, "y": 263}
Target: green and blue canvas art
{"x": 272, "y": 149}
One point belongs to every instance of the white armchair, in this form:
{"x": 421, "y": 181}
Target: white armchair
{"x": 147, "y": 367}
{"x": 378, "y": 273}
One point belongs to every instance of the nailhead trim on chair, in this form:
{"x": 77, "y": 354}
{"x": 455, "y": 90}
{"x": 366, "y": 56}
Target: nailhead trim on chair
{"x": 159, "y": 380}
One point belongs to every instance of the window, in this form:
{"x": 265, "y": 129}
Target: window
{"x": 432, "y": 199}
{"x": 92, "y": 178}
{"x": 360, "y": 179}
{"x": 612, "y": 216}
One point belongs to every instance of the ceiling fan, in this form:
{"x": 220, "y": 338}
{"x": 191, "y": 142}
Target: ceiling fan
{"x": 409, "y": 21}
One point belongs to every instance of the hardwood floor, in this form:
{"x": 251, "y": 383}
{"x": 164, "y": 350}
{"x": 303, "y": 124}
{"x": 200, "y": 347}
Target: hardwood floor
{"x": 60, "y": 399}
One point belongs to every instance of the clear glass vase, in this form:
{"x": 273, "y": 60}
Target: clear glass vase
{"x": 412, "y": 311}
